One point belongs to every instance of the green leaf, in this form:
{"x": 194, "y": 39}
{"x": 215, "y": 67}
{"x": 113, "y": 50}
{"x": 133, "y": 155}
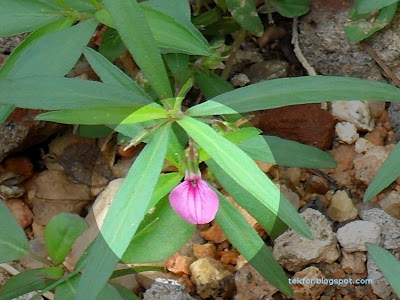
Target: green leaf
{"x": 274, "y": 150}
{"x": 161, "y": 234}
{"x": 137, "y": 36}
{"x": 94, "y": 131}
{"x": 208, "y": 18}
{"x": 268, "y": 220}
{"x": 165, "y": 184}
{"x": 110, "y": 73}
{"x": 13, "y": 241}
{"x": 366, "y": 6}
{"x": 178, "y": 63}
{"x": 111, "y": 45}
{"x": 68, "y": 289}
{"x": 387, "y": 263}
{"x": 61, "y": 232}
{"x": 124, "y": 216}
{"x": 172, "y": 35}
{"x": 244, "y": 172}
{"x": 28, "y": 281}
{"x": 43, "y": 92}
{"x": 105, "y": 115}
{"x": 5, "y": 111}
{"x": 79, "y": 5}
{"x": 125, "y": 293}
{"x": 292, "y": 8}
{"x": 210, "y": 84}
{"x": 245, "y": 13}
{"x": 49, "y": 55}
{"x": 299, "y": 90}
{"x": 23, "y": 16}
{"x": 385, "y": 175}
{"x": 175, "y": 153}
{"x": 361, "y": 29}
{"x": 246, "y": 240}
{"x": 226, "y": 25}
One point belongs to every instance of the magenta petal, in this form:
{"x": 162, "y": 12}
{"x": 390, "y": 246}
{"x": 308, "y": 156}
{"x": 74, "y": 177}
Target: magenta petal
{"x": 195, "y": 202}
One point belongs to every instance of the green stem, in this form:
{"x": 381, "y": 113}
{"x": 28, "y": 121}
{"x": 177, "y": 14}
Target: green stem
{"x": 236, "y": 45}
{"x": 43, "y": 260}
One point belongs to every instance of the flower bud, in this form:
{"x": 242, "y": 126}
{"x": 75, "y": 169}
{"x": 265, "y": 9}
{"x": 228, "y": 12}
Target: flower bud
{"x": 194, "y": 200}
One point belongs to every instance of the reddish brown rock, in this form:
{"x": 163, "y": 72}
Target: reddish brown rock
{"x": 179, "y": 264}
{"x": 213, "y": 234}
{"x": 206, "y": 250}
{"x": 20, "y": 211}
{"x": 307, "y": 124}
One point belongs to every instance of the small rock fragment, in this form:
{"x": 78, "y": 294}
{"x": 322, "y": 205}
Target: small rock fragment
{"x": 390, "y": 227}
{"x": 206, "y": 250}
{"x": 266, "y": 70}
{"x": 391, "y": 204}
{"x": 362, "y": 145}
{"x": 19, "y": 165}
{"x": 240, "y": 80}
{"x": 376, "y": 108}
{"x": 344, "y": 156}
{"x": 249, "y": 56}
{"x": 211, "y": 277}
{"x": 251, "y": 285}
{"x": 352, "y": 236}
{"x": 355, "y": 112}
{"x": 379, "y": 284}
{"x": 213, "y": 234}
{"x": 179, "y": 264}
{"x": 229, "y": 257}
{"x": 366, "y": 166}
{"x": 353, "y": 262}
{"x": 294, "y": 252}
{"x": 341, "y": 207}
{"x": 346, "y": 132}
{"x": 377, "y": 136}
{"x": 166, "y": 289}
{"x": 305, "y": 285}
{"x": 20, "y": 211}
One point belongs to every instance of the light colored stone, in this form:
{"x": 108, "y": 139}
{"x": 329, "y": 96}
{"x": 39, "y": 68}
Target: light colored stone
{"x": 290, "y": 195}
{"x": 391, "y": 204}
{"x": 294, "y": 251}
{"x": 352, "y": 236}
{"x": 166, "y": 289}
{"x": 362, "y": 145}
{"x": 240, "y": 80}
{"x": 355, "y": 112}
{"x": 353, "y": 262}
{"x": 366, "y": 166}
{"x": 308, "y": 289}
{"x": 251, "y": 285}
{"x": 179, "y": 264}
{"x": 380, "y": 285}
{"x": 210, "y": 277}
{"x": 390, "y": 227}
{"x": 376, "y": 108}
{"x": 347, "y": 132}
{"x": 341, "y": 207}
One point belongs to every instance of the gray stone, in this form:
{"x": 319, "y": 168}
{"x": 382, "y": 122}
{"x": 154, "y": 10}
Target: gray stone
{"x": 379, "y": 284}
{"x": 7, "y": 44}
{"x": 294, "y": 251}
{"x": 266, "y": 70}
{"x": 390, "y": 227}
{"x": 352, "y": 236}
{"x": 166, "y": 289}
{"x": 394, "y": 118}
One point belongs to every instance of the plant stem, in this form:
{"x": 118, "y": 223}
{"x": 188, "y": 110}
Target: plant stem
{"x": 236, "y": 45}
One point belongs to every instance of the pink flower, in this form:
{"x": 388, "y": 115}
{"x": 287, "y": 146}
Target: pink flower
{"x": 194, "y": 200}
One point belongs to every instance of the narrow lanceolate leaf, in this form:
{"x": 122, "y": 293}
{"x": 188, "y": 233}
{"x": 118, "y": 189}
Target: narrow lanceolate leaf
{"x": 136, "y": 34}
{"x": 245, "y": 239}
{"x": 366, "y": 6}
{"x": 124, "y": 216}
{"x": 244, "y": 172}
{"x": 28, "y": 281}
{"x": 292, "y": 8}
{"x": 51, "y": 93}
{"x": 13, "y": 242}
{"x": 109, "y": 73}
{"x": 63, "y": 23}
{"x": 387, "y": 173}
{"x": 23, "y": 16}
{"x": 268, "y": 220}
{"x": 210, "y": 84}
{"x": 49, "y": 54}
{"x": 105, "y": 115}
{"x": 245, "y": 13}
{"x": 387, "y": 263}
{"x": 274, "y": 150}
{"x": 289, "y": 91}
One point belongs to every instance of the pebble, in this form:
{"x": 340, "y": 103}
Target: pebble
{"x": 355, "y": 112}
{"x": 376, "y": 108}
{"x": 267, "y": 70}
{"x": 294, "y": 251}
{"x": 380, "y": 285}
{"x": 377, "y": 136}
{"x": 249, "y": 56}
{"x": 251, "y": 285}
{"x": 166, "y": 289}
{"x": 206, "y": 250}
{"x": 210, "y": 277}
{"x": 394, "y": 117}
{"x": 346, "y": 132}
{"x": 391, "y": 204}
{"x": 214, "y": 234}
{"x": 20, "y": 211}
{"x": 390, "y": 227}
{"x": 179, "y": 264}
{"x": 352, "y": 236}
{"x": 240, "y": 80}
{"x": 311, "y": 290}
{"x": 344, "y": 156}
{"x": 341, "y": 207}
{"x": 353, "y": 262}
{"x": 362, "y": 145}
{"x": 366, "y": 166}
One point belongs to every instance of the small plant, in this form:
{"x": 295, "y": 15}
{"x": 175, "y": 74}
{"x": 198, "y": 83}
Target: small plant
{"x": 158, "y": 34}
